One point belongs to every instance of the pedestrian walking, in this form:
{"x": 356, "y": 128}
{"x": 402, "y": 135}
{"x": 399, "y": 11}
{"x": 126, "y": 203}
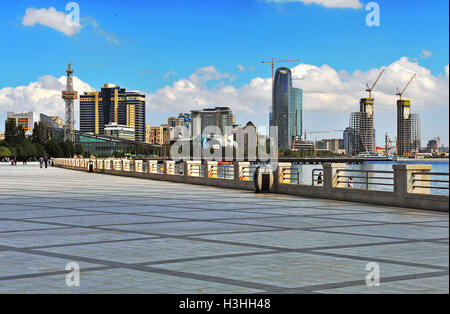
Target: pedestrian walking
{"x": 46, "y": 162}
{"x": 41, "y": 162}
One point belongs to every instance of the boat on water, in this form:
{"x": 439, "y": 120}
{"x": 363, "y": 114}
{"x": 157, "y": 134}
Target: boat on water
{"x": 376, "y": 156}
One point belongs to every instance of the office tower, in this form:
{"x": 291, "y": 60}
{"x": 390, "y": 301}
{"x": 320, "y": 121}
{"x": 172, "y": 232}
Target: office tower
{"x": 282, "y": 106}
{"x": 113, "y": 104}
{"x": 408, "y": 129}
{"x": 220, "y": 117}
{"x": 297, "y": 113}
{"x": 349, "y": 135}
{"x": 25, "y": 120}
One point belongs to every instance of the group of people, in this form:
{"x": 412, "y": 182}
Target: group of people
{"x": 320, "y": 180}
{"x": 44, "y": 161}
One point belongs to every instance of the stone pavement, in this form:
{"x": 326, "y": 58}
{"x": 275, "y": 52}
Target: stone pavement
{"x": 139, "y": 236}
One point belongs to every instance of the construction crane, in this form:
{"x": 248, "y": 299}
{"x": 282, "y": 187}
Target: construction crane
{"x": 400, "y": 94}
{"x": 273, "y": 61}
{"x": 370, "y": 89}
{"x": 318, "y": 132}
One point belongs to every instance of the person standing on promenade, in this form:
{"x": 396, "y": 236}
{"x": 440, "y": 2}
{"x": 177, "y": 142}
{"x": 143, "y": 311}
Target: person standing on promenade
{"x": 41, "y": 162}
{"x": 46, "y": 162}
{"x": 320, "y": 179}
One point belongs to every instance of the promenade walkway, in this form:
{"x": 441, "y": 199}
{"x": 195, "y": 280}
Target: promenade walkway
{"x": 141, "y": 236}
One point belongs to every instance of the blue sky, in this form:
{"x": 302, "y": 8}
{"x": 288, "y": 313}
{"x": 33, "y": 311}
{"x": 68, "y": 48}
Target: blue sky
{"x": 152, "y": 45}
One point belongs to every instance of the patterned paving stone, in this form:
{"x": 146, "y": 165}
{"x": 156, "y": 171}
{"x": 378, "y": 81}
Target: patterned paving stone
{"x": 141, "y": 236}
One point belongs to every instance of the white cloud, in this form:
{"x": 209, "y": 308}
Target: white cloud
{"x": 241, "y": 68}
{"x": 325, "y": 90}
{"x": 426, "y": 53}
{"x": 352, "y": 4}
{"x": 167, "y": 75}
{"x": 50, "y": 18}
{"x": 42, "y": 96}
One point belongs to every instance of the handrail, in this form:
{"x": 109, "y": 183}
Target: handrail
{"x": 430, "y": 186}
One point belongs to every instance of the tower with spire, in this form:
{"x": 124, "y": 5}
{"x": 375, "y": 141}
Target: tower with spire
{"x": 69, "y": 96}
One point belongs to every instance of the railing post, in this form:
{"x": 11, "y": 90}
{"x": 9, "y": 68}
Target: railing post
{"x": 404, "y": 179}
{"x": 210, "y": 166}
{"x": 330, "y": 175}
{"x": 284, "y": 172}
{"x": 239, "y": 167}
{"x": 169, "y": 167}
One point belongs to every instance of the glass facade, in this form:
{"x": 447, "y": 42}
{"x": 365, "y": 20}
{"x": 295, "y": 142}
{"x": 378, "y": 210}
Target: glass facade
{"x": 297, "y": 113}
{"x": 282, "y": 106}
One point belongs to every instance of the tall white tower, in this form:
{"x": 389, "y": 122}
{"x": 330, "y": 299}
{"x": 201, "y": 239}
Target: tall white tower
{"x": 69, "y": 96}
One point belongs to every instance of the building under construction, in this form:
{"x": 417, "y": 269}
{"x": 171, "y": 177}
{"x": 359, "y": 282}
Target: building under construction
{"x": 362, "y": 127}
{"x": 408, "y": 129}
{"x": 362, "y": 123}
{"x": 408, "y": 126}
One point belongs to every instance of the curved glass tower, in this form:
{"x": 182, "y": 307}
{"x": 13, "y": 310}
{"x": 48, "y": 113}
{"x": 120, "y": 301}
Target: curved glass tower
{"x": 282, "y": 106}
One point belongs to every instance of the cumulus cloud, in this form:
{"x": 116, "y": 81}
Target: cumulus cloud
{"x": 42, "y": 96}
{"x": 325, "y": 90}
{"x": 51, "y": 18}
{"x": 352, "y": 4}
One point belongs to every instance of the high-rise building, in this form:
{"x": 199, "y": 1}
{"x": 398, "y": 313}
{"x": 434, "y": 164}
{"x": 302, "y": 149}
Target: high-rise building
{"x": 220, "y": 117}
{"x": 297, "y": 113}
{"x": 282, "y": 106}
{"x": 25, "y": 120}
{"x": 113, "y": 104}
{"x": 408, "y": 129}
{"x": 349, "y": 140}
{"x": 362, "y": 124}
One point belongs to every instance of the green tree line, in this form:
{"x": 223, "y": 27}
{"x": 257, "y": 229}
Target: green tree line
{"x": 40, "y": 144}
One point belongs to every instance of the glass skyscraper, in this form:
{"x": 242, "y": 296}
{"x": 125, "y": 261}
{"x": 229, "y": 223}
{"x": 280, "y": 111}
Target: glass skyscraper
{"x": 297, "y": 113}
{"x": 282, "y": 106}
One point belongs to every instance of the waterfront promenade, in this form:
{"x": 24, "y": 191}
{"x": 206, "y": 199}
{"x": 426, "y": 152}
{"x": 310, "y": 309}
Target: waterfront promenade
{"x": 141, "y": 236}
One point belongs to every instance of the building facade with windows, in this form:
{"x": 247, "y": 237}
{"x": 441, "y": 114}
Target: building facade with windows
{"x": 120, "y": 131}
{"x": 221, "y": 117}
{"x": 26, "y": 120}
{"x": 113, "y": 104}
{"x": 283, "y": 107}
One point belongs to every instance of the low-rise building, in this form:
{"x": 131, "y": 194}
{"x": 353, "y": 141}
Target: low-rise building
{"x": 26, "y": 120}
{"x": 120, "y": 131}
{"x": 155, "y": 135}
{"x": 58, "y": 120}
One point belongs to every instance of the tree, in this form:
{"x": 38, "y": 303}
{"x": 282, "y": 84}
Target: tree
{"x": 78, "y": 149}
{"x": 14, "y": 135}
{"x": 26, "y": 151}
{"x": 41, "y": 134}
{"x": 5, "y": 152}
{"x": 67, "y": 149}
{"x": 53, "y": 149}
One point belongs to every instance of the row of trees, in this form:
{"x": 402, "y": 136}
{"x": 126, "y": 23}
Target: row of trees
{"x": 17, "y": 145}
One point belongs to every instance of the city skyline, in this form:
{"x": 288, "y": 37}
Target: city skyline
{"x": 334, "y": 71}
